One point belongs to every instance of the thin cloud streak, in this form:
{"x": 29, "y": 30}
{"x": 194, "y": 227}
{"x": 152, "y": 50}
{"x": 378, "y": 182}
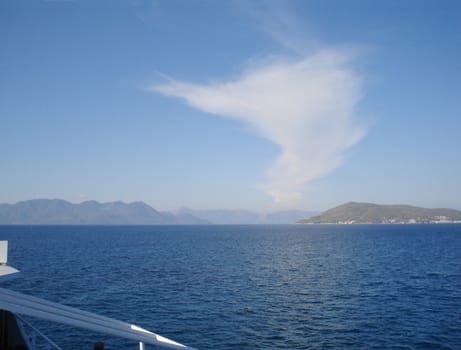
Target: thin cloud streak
{"x": 279, "y": 21}
{"x": 306, "y": 106}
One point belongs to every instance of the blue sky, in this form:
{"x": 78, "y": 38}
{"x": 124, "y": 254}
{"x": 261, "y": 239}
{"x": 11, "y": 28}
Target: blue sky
{"x": 261, "y": 105}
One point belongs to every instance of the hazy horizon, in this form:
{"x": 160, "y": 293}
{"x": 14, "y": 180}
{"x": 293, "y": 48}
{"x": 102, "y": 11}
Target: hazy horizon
{"x": 186, "y": 208}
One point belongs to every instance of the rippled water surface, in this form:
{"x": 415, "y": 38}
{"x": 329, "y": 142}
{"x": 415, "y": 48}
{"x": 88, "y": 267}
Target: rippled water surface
{"x": 251, "y": 287}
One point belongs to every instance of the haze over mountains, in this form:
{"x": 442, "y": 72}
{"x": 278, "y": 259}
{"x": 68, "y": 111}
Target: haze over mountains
{"x": 248, "y": 217}
{"x": 61, "y": 212}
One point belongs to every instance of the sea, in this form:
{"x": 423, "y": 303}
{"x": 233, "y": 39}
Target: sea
{"x": 251, "y": 286}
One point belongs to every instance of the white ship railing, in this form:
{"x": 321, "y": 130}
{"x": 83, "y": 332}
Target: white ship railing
{"x": 21, "y": 304}
{"x": 31, "y": 334}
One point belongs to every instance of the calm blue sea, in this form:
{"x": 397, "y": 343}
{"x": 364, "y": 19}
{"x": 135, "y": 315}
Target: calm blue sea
{"x": 251, "y": 287}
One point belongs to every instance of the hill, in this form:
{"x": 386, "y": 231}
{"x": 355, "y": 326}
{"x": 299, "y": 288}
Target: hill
{"x": 368, "y": 213}
{"x": 60, "y": 212}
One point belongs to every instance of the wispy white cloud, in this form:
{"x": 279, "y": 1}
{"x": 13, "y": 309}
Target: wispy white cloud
{"x": 306, "y": 103}
{"x": 279, "y": 21}
{"x": 306, "y": 106}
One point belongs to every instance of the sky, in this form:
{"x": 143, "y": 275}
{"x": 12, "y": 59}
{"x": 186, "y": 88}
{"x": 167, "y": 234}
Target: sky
{"x": 258, "y": 105}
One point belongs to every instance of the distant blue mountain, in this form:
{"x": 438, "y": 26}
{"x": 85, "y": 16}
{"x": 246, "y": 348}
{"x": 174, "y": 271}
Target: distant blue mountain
{"x": 248, "y": 217}
{"x": 60, "y": 212}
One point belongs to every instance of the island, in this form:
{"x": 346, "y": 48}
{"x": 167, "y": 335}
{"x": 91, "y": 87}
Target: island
{"x": 369, "y": 213}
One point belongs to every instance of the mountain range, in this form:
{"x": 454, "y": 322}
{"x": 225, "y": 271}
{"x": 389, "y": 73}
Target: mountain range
{"x": 369, "y": 213}
{"x": 61, "y": 212}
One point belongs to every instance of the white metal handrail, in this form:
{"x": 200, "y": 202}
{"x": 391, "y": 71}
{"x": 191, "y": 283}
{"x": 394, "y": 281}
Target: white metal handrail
{"x": 31, "y": 306}
{"x": 32, "y": 338}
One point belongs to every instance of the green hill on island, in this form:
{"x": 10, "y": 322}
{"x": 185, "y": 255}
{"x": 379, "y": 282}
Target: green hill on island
{"x": 368, "y": 213}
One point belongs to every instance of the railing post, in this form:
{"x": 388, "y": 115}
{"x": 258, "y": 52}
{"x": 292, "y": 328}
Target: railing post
{"x": 141, "y": 345}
